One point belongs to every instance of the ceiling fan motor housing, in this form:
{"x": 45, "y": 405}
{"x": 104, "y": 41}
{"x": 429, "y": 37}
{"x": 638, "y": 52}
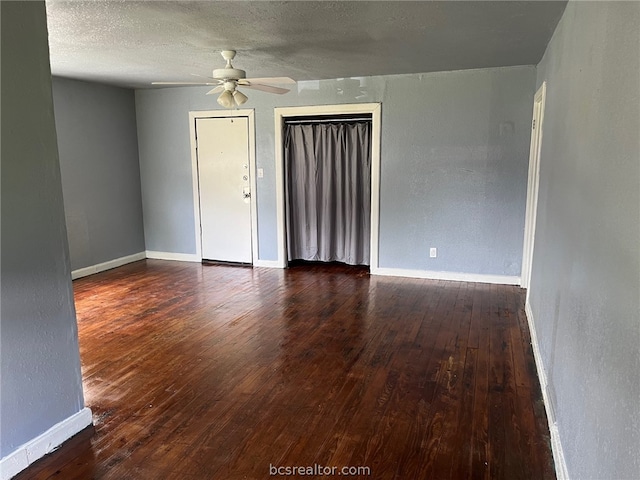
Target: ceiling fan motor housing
{"x": 229, "y": 74}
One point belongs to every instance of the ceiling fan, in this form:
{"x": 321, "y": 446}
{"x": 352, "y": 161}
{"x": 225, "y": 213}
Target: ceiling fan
{"x": 228, "y": 79}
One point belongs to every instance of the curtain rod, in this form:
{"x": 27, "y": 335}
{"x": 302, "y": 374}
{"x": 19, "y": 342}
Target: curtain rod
{"x": 328, "y": 120}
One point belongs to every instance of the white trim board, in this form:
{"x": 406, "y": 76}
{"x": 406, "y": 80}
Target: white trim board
{"x": 556, "y": 446}
{"x": 350, "y": 108}
{"x": 44, "y": 444}
{"x": 452, "y": 276}
{"x": 180, "y": 257}
{"x": 267, "y": 263}
{"x": 101, "y": 267}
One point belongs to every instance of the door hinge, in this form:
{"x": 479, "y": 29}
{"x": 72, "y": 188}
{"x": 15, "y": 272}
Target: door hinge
{"x": 534, "y": 124}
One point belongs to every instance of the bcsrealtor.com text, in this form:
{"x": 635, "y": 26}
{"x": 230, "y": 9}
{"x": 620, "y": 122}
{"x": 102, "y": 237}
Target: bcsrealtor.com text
{"x": 317, "y": 470}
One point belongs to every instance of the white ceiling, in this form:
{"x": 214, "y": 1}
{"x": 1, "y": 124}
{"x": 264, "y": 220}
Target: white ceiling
{"x": 132, "y": 43}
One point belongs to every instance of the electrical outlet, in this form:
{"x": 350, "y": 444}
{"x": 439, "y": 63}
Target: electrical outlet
{"x": 433, "y": 252}
{"x": 260, "y": 173}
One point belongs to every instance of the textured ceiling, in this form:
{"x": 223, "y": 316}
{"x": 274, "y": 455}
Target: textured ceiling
{"x": 132, "y": 43}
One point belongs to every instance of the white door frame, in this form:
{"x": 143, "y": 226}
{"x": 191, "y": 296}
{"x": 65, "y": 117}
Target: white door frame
{"x": 249, "y": 113}
{"x": 350, "y": 109}
{"x": 532, "y": 186}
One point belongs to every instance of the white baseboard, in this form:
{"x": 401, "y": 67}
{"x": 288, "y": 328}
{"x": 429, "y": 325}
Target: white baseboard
{"x": 43, "y": 444}
{"x": 180, "y": 257}
{"x": 192, "y": 257}
{"x": 556, "y": 446}
{"x": 453, "y": 276}
{"x": 268, "y": 263}
{"x": 101, "y": 267}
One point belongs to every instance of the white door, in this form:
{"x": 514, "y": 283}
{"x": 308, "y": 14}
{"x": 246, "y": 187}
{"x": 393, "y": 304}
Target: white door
{"x": 224, "y": 187}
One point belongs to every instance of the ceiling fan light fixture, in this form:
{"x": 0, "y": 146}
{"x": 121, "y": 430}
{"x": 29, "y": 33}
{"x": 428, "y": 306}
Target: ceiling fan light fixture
{"x": 226, "y": 99}
{"x": 239, "y": 97}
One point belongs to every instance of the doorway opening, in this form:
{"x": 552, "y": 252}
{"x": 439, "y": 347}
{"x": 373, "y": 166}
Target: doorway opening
{"x": 303, "y": 195}
{"x": 532, "y": 187}
{"x": 327, "y": 164}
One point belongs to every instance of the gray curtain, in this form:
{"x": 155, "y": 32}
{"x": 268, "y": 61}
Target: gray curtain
{"x": 328, "y": 187}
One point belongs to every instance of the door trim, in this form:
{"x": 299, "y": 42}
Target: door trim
{"x": 249, "y": 114}
{"x": 532, "y": 186}
{"x": 356, "y": 108}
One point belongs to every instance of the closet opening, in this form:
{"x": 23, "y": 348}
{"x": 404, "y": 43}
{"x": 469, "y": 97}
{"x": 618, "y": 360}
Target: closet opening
{"x": 306, "y": 122}
{"x": 327, "y": 170}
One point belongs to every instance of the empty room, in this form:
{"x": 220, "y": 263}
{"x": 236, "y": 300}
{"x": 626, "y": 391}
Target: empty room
{"x": 257, "y": 239}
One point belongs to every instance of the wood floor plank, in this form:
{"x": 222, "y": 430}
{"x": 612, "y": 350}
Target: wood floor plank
{"x": 480, "y": 446}
{"x": 217, "y": 372}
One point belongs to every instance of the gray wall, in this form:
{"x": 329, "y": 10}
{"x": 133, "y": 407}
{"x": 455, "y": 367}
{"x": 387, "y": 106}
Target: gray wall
{"x": 41, "y": 383}
{"x": 453, "y": 175}
{"x": 96, "y": 127}
{"x": 585, "y": 286}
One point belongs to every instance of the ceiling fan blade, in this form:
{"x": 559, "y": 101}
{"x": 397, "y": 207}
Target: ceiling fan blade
{"x": 217, "y": 89}
{"x": 266, "y": 88}
{"x": 269, "y": 80}
{"x": 182, "y": 83}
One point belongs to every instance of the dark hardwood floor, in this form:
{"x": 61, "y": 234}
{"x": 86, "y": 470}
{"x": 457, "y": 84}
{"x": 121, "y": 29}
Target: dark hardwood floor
{"x": 218, "y": 372}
